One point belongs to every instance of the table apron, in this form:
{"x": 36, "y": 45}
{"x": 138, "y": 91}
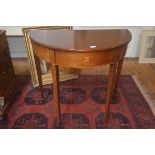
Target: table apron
{"x": 82, "y": 60}
{"x": 79, "y": 59}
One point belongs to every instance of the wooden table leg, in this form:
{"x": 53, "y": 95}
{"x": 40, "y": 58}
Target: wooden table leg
{"x": 38, "y": 68}
{"x": 55, "y": 75}
{"x": 118, "y": 72}
{"x": 111, "y": 80}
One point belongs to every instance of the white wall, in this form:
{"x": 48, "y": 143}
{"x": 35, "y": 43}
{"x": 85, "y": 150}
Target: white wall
{"x": 12, "y": 30}
{"x": 15, "y": 40}
{"x": 17, "y": 46}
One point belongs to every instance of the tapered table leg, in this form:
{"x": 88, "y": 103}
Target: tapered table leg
{"x": 37, "y": 62}
{"x": 118, "y": 72}
{"x": 111, "y": 80}
{"x": 55, "y": 75}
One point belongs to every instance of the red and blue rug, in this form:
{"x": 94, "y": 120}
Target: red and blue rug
{"x": 82, "y": 106}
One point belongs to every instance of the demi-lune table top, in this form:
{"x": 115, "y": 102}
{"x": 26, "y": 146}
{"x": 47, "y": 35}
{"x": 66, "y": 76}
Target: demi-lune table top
{"x": 81, "y": 40}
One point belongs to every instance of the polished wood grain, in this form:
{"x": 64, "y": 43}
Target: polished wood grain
{"x": 55, "y": 75}
{"x": 81, "y": 40}
{"x": 111, "y": 83}
{"x": 81, "y": 49}
{"x": 7, "y": 75}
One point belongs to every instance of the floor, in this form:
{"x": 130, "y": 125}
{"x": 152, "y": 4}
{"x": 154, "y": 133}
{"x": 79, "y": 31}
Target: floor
{"x": 144, "y": 73}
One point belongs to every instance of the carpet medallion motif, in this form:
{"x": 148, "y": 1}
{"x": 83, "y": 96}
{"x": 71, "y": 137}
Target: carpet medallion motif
{"x": 82, "y": 106}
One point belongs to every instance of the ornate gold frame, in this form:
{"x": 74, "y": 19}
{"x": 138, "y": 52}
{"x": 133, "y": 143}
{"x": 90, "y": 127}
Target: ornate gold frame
{"x": 46, "y": 78}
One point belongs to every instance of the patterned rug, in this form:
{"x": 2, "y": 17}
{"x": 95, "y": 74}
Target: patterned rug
{"x": 82, "y": 106}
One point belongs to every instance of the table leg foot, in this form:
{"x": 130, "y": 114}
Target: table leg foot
{"x": 42, "y": 95}
{"x": 106, "y": 119}
{"x": 59, "y": 124}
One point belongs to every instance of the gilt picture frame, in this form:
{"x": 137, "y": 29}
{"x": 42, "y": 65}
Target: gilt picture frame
{"x": 147, "y": 47}
{"x": 65, "y": 73}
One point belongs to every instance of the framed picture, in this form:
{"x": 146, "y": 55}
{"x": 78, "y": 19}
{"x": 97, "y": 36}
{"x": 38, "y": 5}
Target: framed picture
{"x": 65, "y": 73}
{"x": 147, "y": 48}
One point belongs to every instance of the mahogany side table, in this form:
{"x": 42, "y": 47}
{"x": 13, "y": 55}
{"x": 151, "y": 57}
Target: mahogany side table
{"x": 81, "y": 49}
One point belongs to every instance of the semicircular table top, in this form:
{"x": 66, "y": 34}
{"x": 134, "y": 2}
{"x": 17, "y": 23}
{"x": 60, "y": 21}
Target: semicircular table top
{"x": 81, "y": 40}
